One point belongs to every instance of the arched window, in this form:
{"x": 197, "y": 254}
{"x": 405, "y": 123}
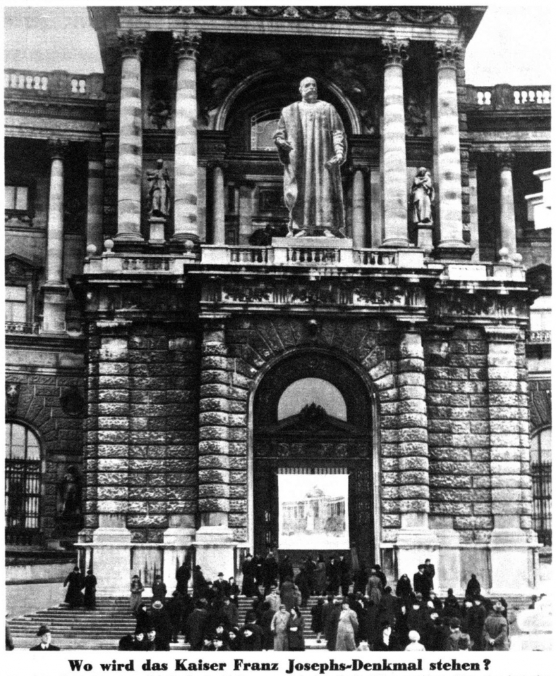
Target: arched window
{"x": 23, "y": 484}
{"x": 263, "y": 127}
{"x": 308, "y": 391}
{"x": 541, "y": 473}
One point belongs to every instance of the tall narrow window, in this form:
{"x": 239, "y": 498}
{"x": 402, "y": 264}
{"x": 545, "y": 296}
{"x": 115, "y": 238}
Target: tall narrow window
{"x": 23, "y": 483}
{"x": 541, "y": 473}
{"x": 16, "y": 304}
{"x": 16, "y": 197}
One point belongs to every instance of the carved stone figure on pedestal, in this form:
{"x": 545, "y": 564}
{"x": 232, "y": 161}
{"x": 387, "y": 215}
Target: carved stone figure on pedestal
{"x": 312, "y": 146}
{"x": 422, "y": 197}
{"x": 159, "y": 191}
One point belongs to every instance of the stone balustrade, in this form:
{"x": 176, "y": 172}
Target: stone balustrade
{"x": 501, "y": 97}
{"x": 53, "y": 83}
{"x": 22, "y": 327}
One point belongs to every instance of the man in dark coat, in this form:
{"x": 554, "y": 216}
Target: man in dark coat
{"x": 333, "y": 575}
{"x": 161, "y": 622}
{"x": 74, "y": 583}
{"x": 331, "y": 626}
{"x": 46, "y": 637}
{"x": 251, "y": 635}
{"x": 159, "y": 590}
{"x": 285, "y": 569}
{"x": 174, "y": 608}
{"x": 249, "y": 570}
{"x": 388, "y": 606}
{"x": 421, "y": 582}
{"x": 183, "y": 574}
{"x": 430, "y": 571}
{"x": 196, "y": 626}
{"x": 270, "y": 572}
{"x": 473, "y": 587}
{"x": 132, "y": 641}
{"x": 345, "y": 574}
{"x": 90, "y": 585}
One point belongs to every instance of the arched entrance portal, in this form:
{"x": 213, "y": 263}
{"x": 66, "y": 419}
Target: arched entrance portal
{"x": 313, "y": 460}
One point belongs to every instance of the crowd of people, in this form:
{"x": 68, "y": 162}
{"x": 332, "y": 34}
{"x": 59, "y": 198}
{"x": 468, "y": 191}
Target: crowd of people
{"x": 353, "y": 610}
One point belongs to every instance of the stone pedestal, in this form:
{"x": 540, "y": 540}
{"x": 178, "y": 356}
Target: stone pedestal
{"x": 424, "y": 237}
{"x": 448, "y": 571}
{"x": 111, "y": 561}
{"x": 54, "y": 313}
{"x": 415, "y": 543}
{"x": 215, "y": 551}
{"x": 176, "y": 544}
{"x": 156, "y": 230}
{"x": 511, "y": 558}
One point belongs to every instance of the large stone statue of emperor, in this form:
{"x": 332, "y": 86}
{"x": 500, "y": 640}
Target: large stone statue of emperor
{"x": 312, "y": 146}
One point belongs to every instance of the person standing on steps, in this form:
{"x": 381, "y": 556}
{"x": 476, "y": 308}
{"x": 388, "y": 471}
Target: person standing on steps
{"x": 45, "y": 635}
{"x": 90, "y": 585}
{"x": 74, "y": 583}
{"x": 136, "y": 590}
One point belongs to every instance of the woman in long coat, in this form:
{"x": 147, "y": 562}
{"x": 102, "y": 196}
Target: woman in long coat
{"x": 90, "y": 584}
{"x": 74, "y": 583}
{"x": 374, "y": 587}
{"x": 136, "y": 590}
{"x": 348, "y": 626}
{"x": 279, "y": 626}
{"x": 320, "y": 576}
{"x": 287, "y": 593}
{"x": 295, "y": 628}
{"x": 317, "y": 618}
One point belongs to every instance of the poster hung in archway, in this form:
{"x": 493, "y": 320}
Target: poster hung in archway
{"x": 313, "y": 511}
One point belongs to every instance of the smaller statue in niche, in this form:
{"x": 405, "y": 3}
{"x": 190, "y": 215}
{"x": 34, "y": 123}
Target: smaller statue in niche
{"x": 159, "y": 191}
{"x": 70, "y": 494}
{"x": 422, "y": 197}
{"x": 160, "y": 108}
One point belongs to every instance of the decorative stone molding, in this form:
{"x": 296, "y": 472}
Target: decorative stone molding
{"x": 506, "y": 160}
{"x": 447, "y": 54}
{"x": 12, "y": 398}
{"x": 57, "y": 148}
{"x": 186, "y": 44}
{"x": 132, "y": 43}
{"x": 395, "y": 51}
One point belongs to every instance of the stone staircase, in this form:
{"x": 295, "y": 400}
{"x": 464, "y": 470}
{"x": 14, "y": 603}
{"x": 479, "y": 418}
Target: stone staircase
{"x": 101, "y": 629}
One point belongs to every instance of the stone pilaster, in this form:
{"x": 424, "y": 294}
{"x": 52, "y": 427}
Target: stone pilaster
{"x": 393, "y": 141}
{"x": 54, "y": 289}
{"x": 507, "y": 209}
{"x": 415, "y": 541}
{"x": 108, "y": 461}
{"x": 186, "y": 186}
{"x": 245, "y": 212}
{"x": 218, "y": 207}
{"x": 358, "y": 206}
{"x": 449, "y": 198}
{"x": 130, "y": 151}
{"x": 95, "y": 179}
{"x": 474, "y": 210}
{"x": 509, "y": 464}
{"x": 214, "y": 537}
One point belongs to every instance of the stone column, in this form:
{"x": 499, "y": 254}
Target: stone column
{"x": 507, "y": 210}
{"x": 449, "y": 201}
{"x": 185, "y": 190}
{"x": 130, "y": 151}
{"x": 94, "y": 196}
{"x": 474, "y": 210}
{"x": 415, "y": 541}
{"x": 393, "y": 141}
{"x": 510, "y": 479}
{"x": 245, "y": 212}
{"x": 218, "y": 206}
{"x": 358, "y": 202}
{"x": 55, "y": 290}
{"x": 214, "y": 537}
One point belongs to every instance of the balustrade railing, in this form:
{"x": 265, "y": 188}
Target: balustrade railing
{"x": 251, "y": 254}
{"x": 21, "y": 327}
{"x": 502, "y": 97}
{"x": 53, "y": 83}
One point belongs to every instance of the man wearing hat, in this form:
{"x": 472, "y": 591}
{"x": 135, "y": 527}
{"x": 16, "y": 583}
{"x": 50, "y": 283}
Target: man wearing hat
{"x": 160, "y": 620}
{"x": 46, "y": 637}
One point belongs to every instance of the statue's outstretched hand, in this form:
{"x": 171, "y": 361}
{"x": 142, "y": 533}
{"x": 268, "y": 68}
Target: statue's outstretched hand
{"x": 282, "y": 143}
{"x": 334, "y": 161}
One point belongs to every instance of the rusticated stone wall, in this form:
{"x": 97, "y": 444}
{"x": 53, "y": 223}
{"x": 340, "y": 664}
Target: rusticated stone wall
{"x": 457, "y": 402}
{"x": 142, "y": 433}
{"x": 42, "y": 404}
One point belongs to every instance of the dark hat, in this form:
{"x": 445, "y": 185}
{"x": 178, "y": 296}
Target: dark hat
{"x": 157, "y": 604}
{"x": 43, "y": 629}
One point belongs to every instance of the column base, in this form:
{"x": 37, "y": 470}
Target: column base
{"x": 512, "y": 562}
{"x": 54, "y": 314}
{"x": 129, "y": 237}
{"x": 111, "y": 558}
{"x": 398, "y": 242}
{"x": 214, "y": 551}
{"x": 453, "y": 250}
{"x": 176, "y": 543}
{"x": 448, "y": 572}
{"x": 413, "y": 546}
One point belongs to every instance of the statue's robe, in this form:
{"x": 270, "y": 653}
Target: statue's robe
{"x": 313, "y": 190}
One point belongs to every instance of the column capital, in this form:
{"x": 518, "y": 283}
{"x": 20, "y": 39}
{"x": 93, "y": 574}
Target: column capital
{"x": 446, "y": 54}
{"x": 131, "y": 43}
{"x": 394, "y": 51}
{"x": 359, "y": 166}
{"x": 217, "y": 164}
{"x": 506, "y": 160}
{"x": 57, "y": 148}
{"x": 186, "y": 44}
